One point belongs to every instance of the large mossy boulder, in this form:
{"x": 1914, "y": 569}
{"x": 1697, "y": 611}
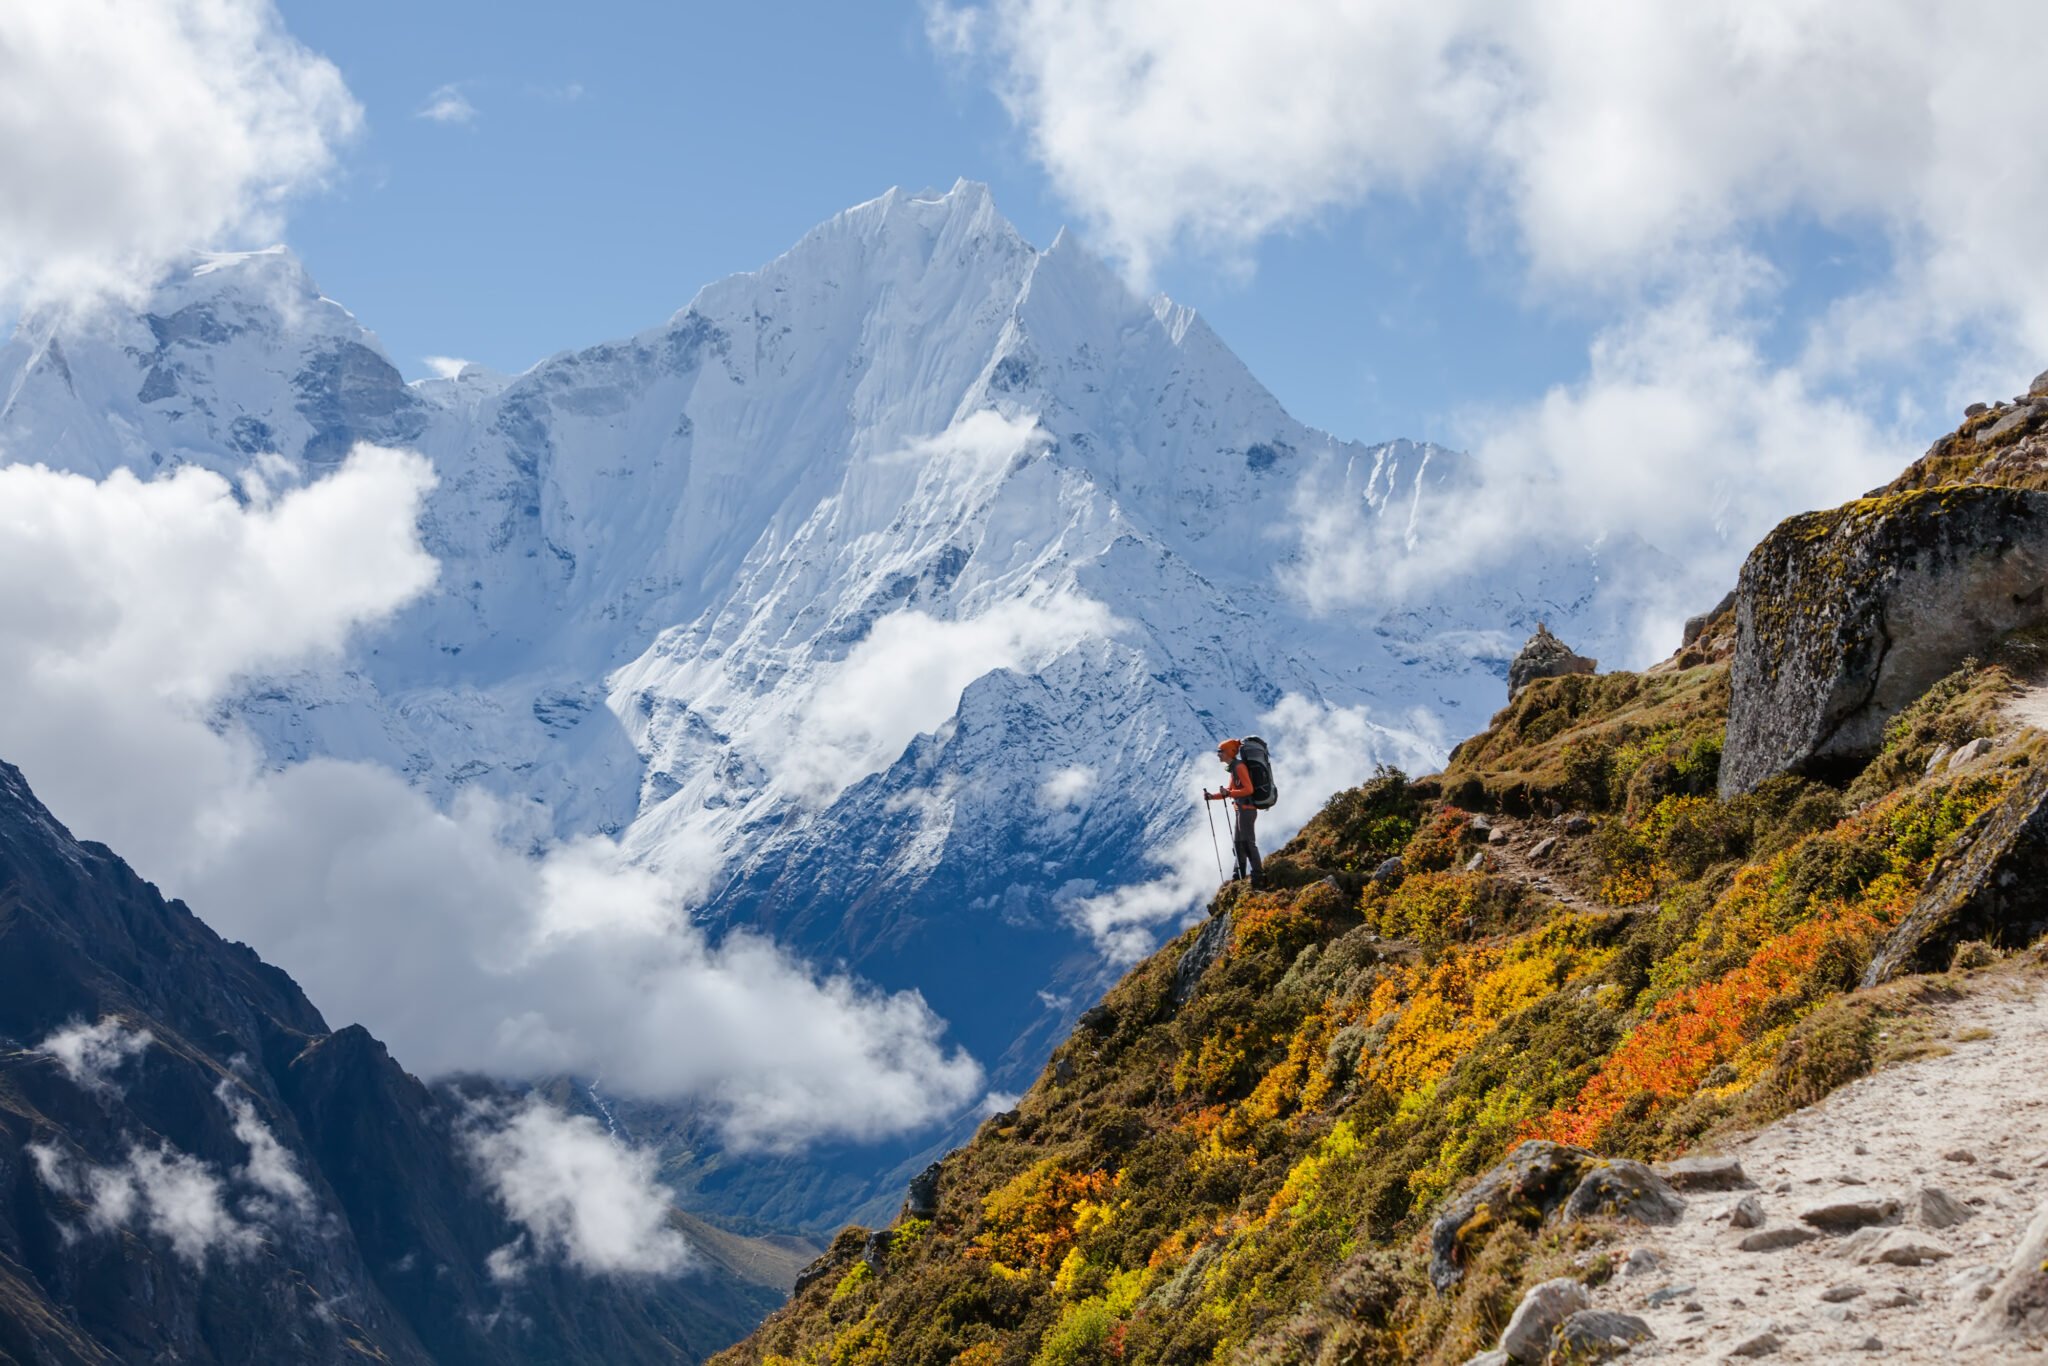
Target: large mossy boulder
{"x": 1845, "y": 617}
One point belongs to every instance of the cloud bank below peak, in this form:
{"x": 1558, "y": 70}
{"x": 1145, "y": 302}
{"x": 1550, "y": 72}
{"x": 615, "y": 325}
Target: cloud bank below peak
{"x": 443, "y": 931}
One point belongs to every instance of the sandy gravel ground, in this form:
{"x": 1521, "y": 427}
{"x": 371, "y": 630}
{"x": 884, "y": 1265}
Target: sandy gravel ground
{"x": 1973, "y": 1124}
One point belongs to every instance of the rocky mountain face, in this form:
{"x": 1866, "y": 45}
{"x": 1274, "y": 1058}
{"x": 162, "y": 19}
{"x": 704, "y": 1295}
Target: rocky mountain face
{"x": 888, "y": 596}
{"x": 1403, "y": 1101}
{"x": 193, "y": 1167}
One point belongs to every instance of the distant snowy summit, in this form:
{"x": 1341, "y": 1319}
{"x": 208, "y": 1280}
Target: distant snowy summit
{"x": 891, "y": 597}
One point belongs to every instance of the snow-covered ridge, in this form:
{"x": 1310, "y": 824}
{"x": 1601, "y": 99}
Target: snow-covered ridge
{"x": 891, "y": 596}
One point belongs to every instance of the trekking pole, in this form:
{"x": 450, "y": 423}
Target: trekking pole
{"x": 1218, "y": 848}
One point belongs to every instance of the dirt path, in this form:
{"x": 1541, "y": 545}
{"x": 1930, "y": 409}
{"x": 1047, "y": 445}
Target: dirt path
{"x": 1513, "y": 854}
{"x": 1973, "y": 1124}
{"x": 2030, "y": 708}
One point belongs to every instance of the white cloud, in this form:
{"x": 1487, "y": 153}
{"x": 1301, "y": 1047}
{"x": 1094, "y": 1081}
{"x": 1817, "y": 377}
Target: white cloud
{"x": 271, "y": 1168}
{"x": 1609, "y": 139}
{"x": 448, "y": 105}
{"x": 1066, "y": 788}
{"x": 160, "y": 1190}
{"x": 580, "y": 1195}
{"x": 906, "y": 676}
{"x": 91, "y": 1053}
{"x": 172, "y": 585}
{"x": 1638, "y": 165}
{"x": 133, "y": 130}
{"x": 1318, "y": 751}
{"x": 1681, "y": 433}
{"x": 136, "y": 603}
{"x": 445, "y": 367}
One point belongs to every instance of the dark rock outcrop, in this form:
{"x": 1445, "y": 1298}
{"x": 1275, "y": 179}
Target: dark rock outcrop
{"x": 1196, "y": 958}
{"x": 921, "y": 1201}
{"x": 1545, "y": 656}
{"x": 1844, "y": 617}
{"x": 1990, "y": 888}
{"x": 1695, "y": 627}
{"x": 375, "y": 1247}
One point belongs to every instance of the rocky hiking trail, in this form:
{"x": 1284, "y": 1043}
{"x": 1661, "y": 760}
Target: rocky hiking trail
{"x": 1547, "y": 855}
{"x": 1883, "y": 1222}
{"x": 2030, "y": 708}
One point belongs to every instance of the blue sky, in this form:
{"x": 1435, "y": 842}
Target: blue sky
{"x": 623, "y": 154}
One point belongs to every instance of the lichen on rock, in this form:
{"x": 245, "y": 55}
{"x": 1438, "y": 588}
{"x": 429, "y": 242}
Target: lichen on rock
{"x": 1844, "y": 617}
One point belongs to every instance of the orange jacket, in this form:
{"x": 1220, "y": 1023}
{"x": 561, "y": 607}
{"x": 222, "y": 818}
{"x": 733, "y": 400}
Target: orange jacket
{"x": 1240, "y": 784}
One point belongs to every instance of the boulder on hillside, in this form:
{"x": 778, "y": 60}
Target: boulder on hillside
{"x": 1844, "y": 617}
{"x": 1545, "y": 656}
{"x": 1988, "y": 888}
{"x": 921, "y": 1201}
{"x": 1537, "y": 1180}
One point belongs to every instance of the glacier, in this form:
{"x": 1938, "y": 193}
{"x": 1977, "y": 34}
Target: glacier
{"x": 889, "y": 599}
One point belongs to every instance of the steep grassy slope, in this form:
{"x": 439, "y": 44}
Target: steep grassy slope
{"x": 1245, "y": 1176}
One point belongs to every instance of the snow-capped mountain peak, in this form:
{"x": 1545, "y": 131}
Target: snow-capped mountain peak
{"x": 889, "y": 596}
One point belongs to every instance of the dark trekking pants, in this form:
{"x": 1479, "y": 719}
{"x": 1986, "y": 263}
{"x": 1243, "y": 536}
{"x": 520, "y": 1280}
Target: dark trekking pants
{"x": 1245, "y": 844}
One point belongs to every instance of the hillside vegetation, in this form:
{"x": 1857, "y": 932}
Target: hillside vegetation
{"x": 1238, "y": 1159}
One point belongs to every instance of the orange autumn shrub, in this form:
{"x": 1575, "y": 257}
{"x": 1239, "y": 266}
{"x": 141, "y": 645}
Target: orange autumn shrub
{"x": 1437, "y": 845}
{"x": 1690, "y": 1034}
{"x": 1030, "y": 1223}
{"x": 1268, "y": 920}
{"x": 1873, "y": 863}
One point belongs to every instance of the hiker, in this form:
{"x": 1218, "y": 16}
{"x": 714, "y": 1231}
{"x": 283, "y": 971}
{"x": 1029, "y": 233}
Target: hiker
{"x": 1251, "y": 790}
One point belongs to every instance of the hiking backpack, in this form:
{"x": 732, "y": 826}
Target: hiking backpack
{"x": 1251, "y": 752}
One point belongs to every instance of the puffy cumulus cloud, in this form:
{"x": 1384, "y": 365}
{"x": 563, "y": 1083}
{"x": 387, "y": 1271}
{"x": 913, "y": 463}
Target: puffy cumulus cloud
{"x": 1638, "y": 165}
{"x": 906, "y": 675}
{"x": 443, "y": 931}
{"x": 1609, "y": 139}
{"x": 91, "y": 1053}
{"x": 1317, "y": 750}
{"x": 176, "y": 585}
{"x": 133, "y": 130}
{"x": 1682, "y": 433}
{"x": 160, "y": 1191}
{"x": 579, "y": 1195}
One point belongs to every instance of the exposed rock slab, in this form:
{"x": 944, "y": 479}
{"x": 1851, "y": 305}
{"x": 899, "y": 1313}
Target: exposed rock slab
{"x": 1196, "y": 958}
{"x": 1989, "y": 888}
{"x": 1844, "y": 617}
